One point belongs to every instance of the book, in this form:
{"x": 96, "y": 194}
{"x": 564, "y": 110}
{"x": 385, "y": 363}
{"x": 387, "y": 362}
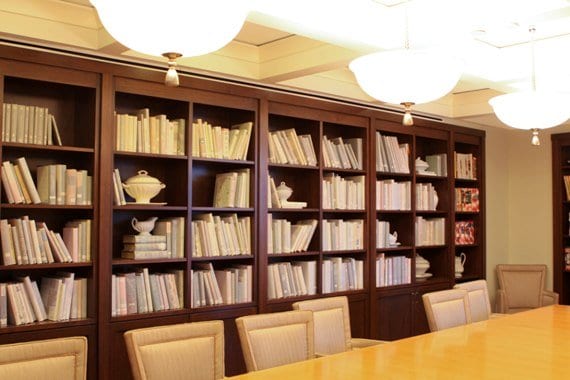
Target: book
{"x": 225, "y": 189}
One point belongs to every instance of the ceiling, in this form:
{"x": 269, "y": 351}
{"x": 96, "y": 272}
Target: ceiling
{"x": 307, "y": 45}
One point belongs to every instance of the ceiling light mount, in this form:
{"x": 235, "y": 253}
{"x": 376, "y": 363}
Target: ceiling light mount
{"x": 171, "y": 78}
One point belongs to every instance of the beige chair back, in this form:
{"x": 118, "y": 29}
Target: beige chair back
{"x": 53, "y": 359}
{"x": 182, "y": 351}
{"x": 447, "y": 308}
{"x": 478, "y": 299}
{"x": 332, "y": 323}
{"x": 271, "y": 340}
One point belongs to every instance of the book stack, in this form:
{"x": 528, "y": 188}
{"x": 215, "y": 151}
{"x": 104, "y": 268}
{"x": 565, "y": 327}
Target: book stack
{"x": 341, "y": 274}
{"x": 18, "y": 183}
{"x": 144, "y": 292}
{"x": 291, "y": 279}
{"x": 232, "y": 189}
{"x": 464, "y": 232}
{"x": 343, "y": 155}
{"x": 426, "y": 197}
{"x": 60, "y": 185}
{"x": 286, "y": 147}
{"x": 150, "y": 134}
{"x": 217, "y": 142}
{"x": 338, "y": 234}
{"x": 28, "y": 125}
{"x": 343, "y": 193}
{"x": 226, "y": 235}
{"x": 466, "y": 199}
{"x": 391, "y": 156}
{"x": 143, "y": 247}
{"x": 382, "y": 233}
{"x": 392, "y": 195}
{"x": 430, "y": 231}
{"x": 118, "y": 191}
{"x": 465, "y": 165}
{"x": 285, "y": 237}
{"x": 216, "y": 287}
{"x": 393, "y": 270}
{"x": 25, "y": 241}
{"x": 438, "y": 163}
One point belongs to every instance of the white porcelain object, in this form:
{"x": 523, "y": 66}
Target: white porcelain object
{"x": 421, "y": 165}
{"x": 422, "y": 265}
{"x": 460, "y": 264}
{"x": 144, "y": 227}
{"x": 143, "y": 187}
{"x": 284, "y": 192}
{"x": 393, "y": 239}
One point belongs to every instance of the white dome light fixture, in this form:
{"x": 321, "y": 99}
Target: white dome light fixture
{"x": 532, "y": 110}
{"x": 407, "y": 76}
{"x": 172, "y": 28}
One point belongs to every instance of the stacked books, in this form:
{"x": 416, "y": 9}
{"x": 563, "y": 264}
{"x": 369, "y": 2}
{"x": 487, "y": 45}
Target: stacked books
{"x": 391, "y": 156}
{"x": 286, "y": 147}
{"x": 467, "y": 199}
{"x": 465, "y": 165}
{"x": 464, "y": 232}
{"x": 430, "y": 231}
{"x": 142, "y": 247}
{"x": 232, "y": 189}
{"x": 223, "y": 143}
{"x": 291, "y": 279}
{"x": 438, "y": 163}
{"x": 338, "y": 234}
{"x": 341, "y": 274}
{"x": 393, "y": 270}
{"x": 343, "y": 193}
{"x": 285, "y": 237}
{"x": 426, "y": 197}
{"x": 217, "y": 287}
{"x": 28, "y": 125}
{"x": 392, "y": 195}
{"x": 225, "y": 235}
{"x": 150, "y": 134}
{"x": 340, "y": 154}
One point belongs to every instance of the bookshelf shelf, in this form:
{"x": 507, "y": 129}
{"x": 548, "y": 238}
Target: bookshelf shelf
{"x": 129, "y": 262}
{"x": 146, "y": 316}
{"x": 46, "y": 148}
{"x": 47, "y": 325}
{"x": 141, "y": 155}
{"x": 40, "y": 267}
{"x": 223, "y": 258}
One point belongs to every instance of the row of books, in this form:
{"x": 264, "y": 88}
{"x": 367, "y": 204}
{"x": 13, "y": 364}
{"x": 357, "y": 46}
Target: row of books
{"x": 393, "y": 270}
{"x": 144, "y": 292}
{"x": 344, "y": 155}
{"x": 391, "y": 156}
{"x": 58, "y": 298}
{"x": 25, "y": 241}
{"x": 166, "y": 241}
{"x": 382, "y": 234}
{"x": 426, "y": 197}
{"x": 218, "y": 287}
{"x": 466, "y": 199}
{"x": 392, "y": 195}
{"x": 285, "y": 237}
{"x": 437, "y": 164}
{"x": 291, "y": 279}
{"x": 221, "y": 235}
{"x": 465, "y": 165}
{"x": 232, "y": 189}
{"x": 119, "y": 198}
{"x": 338, "y": 234}
{"x": 150, "y": 134}
{"x": 343, "y": 193}
{"x": 566, "y": 179}
{"x": 465, "y": 232}
{"x": 29, "y": 125}
{"x": 430, "y": 231}
{"x": 342, "y": 274}
{"x": 286, "y": 147}
{"x": 210, "y": 141}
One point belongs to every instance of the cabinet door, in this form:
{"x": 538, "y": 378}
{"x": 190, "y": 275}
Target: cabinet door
{"x": 394, "y": 316}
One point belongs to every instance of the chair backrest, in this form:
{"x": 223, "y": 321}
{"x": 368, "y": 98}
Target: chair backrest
{"x": 271, "y": 340}
{"x": 181, "y": 351}
{"x": 523, "y": 284}
{"x": 332, "y": 323}
{"x": 57, "y": 359}
{"x": 478, "y": 299}
{"x": 447, "y": 308}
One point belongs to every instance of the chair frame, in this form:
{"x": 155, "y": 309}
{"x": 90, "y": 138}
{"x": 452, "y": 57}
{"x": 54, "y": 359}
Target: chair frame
{"x": 445, "y": 296}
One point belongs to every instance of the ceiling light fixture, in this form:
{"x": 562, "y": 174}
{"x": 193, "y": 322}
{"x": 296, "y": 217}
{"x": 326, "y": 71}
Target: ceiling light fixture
{"x": 172, "y": 28}
{"x": 407, "y": 77}
{"x": 532, "y": 110}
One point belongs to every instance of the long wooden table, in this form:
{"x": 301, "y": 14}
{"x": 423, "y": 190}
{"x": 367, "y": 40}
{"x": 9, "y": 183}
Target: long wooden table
{"x": 529, "y": 345}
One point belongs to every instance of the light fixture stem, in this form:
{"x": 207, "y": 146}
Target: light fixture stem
{"x": 532, "y": 30}
{"x": 406, "y": 27}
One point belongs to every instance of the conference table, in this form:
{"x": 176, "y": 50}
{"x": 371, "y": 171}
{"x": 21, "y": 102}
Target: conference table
{"x": 533, "y": 344}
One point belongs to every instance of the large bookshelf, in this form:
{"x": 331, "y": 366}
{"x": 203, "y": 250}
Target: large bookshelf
{"x": 86, "y": 101}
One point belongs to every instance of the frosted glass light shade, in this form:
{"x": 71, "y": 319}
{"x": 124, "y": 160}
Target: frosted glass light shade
{"x": 531, "y": 109}
{"x": 406, "y": 76}
{"x": 190, "y": 28}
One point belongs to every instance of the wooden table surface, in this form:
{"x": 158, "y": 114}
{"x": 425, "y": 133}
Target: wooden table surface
{"x": 529, "y": 345}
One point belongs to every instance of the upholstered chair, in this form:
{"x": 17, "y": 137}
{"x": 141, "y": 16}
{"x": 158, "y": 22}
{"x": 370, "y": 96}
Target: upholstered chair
{"x": 332, "y": 325}
{"x": 521, "y": 287}
{"x": 478, "y": 300}
{"x": 52, "y": 359}
{"x": 447, "y": 308}
{"x": 181, "y": 351}
{"x": 271, "y": 340}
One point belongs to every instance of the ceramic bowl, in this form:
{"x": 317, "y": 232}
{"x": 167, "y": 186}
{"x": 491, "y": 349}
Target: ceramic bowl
{"x": 143, "y": 187}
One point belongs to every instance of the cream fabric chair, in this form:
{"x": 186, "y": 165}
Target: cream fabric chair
{"x": 447, "y": 308}
{"x": 181, "y": 351}
{"x": 478, "y": 300}
{"x": 521, "y": 287}
{"x": 271, "y": 340}
{"x": 52, "y": 359}
{"x": 332, "y": 325}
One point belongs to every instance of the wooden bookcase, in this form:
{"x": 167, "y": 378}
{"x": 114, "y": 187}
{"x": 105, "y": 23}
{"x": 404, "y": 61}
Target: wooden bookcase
{"x": 84, "y": 95}
{"x": 561, "y": 215}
